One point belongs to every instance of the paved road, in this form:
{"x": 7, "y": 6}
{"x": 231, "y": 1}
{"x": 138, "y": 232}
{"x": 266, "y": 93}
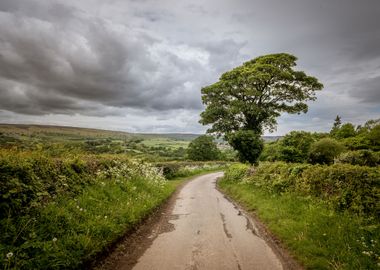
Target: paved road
{"x": 209, "y": 232}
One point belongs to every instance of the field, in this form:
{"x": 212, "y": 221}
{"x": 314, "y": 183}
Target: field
{"x": 56, "y": 139}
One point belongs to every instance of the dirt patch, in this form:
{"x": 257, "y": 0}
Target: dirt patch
{"x": 125, "y": 253}
{"x": 260, "y": 229}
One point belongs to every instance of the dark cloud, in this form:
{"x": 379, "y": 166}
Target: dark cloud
{"x": 150, "y": 58}
{"x": 88, "y": 59}
{"x": 368, "y": 90}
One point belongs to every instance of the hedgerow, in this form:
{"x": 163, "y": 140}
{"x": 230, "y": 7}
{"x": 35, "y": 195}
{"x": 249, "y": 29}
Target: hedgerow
{"x": 327, "y": 216}
{"x": 59, "y": 213}
{"x": 344, "y": 186}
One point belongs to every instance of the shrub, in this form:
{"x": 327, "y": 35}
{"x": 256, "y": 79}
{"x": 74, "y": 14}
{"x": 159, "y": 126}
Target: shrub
{"x": 324, "y": 151}
{"x": 236, "y": 172}
{"x": 356, "y": 188}
{"x": 294, "y": 147}
{"x": 360, "y": 157}
{"x": 345, "y": 186}
{"x": 270, "y": 152}
{"x": 58, "y": 213}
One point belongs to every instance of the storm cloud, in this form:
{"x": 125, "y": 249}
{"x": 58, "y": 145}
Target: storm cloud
{"x": 80, "y": 62}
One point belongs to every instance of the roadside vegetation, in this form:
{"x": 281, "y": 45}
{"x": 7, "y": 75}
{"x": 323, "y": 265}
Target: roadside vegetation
{"x": 64, "y": 200}
{"x": 319, "y": 193}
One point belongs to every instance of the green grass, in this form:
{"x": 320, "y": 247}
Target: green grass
{"x": 165, "y": 142}
{"x": 64, "y": 230}
{"x": 319, "y": 237}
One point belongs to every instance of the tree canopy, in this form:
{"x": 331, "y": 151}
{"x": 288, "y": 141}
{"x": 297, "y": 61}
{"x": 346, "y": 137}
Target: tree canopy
{"x": 250, "y": 97}
{"x": 203, "y": 148}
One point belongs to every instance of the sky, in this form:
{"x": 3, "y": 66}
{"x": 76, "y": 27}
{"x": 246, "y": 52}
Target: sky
{"x": 139, "y": 65}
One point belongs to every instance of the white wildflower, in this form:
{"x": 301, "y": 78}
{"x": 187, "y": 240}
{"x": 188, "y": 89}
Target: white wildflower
{"x": 9, "y": 255}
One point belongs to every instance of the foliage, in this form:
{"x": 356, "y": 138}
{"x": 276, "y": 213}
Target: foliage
{"x": 251, "y": 96}
{"x": 248, "y": 144}
{"x": 172, "y": 170}
{"x": 58, "y": 213}
{"x": 327, "y": 215}
{"x": 203, "y": 148}
{"x": 374, "y": 137}
{"x": 254, "y": 94}
{"x": 345, "y": 131}
{"x": 295, "y": 146}
{"x": 236, "y": 172}
{"x": 59, "y": 141}
{"x": 271, "y": 152}
{"x": 344, "y": 186}
{"x": 319, "y": 237}
{"x": 360, "y": 157}
{"x": 324, "y": 151}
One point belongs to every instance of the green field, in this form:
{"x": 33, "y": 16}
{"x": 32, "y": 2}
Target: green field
{"x": 56, "y": 140}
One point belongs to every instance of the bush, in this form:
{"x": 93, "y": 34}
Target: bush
{"x": 271, "y": 151}
{"x": 346, "y": 187}
{"x": 236, "y": 172}
{"x": 294, "y": 146}
{"x": 360, "y": 157}
{"x": 59, "y": 213}
{"x": 324, "y": 151}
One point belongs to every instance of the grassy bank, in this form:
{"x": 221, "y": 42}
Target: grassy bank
{"x": 319, "y": 234}
{"x": 59, "y": 213}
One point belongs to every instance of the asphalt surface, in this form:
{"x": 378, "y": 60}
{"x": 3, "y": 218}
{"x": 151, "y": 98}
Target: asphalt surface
{"x": 207, "y": 232}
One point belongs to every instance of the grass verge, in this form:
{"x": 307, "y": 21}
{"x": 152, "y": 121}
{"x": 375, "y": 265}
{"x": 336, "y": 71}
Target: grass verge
{"x": 318, "y": 236}
{"x": 46, "y": 226}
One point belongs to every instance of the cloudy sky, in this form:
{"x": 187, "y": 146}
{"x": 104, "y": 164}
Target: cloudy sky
{"x": 139, "y": 65}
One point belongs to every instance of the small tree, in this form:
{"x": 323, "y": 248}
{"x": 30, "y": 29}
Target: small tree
{"x": 345, "y": 131}
{"x": 336, "y": 125}
{"x": 294, "y": 147}
{"x": 203, "y": 148}
{"x": 250, "y": 97}
{"x": 324, "y": 151}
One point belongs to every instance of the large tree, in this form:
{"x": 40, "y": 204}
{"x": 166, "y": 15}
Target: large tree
{"x": 250, "y": 97}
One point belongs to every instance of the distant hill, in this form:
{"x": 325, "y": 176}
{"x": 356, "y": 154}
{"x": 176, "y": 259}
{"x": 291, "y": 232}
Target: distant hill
{"x": 79, "y": 133}
{"x": 73, "y": 133}
{"x": 271, "y": 138}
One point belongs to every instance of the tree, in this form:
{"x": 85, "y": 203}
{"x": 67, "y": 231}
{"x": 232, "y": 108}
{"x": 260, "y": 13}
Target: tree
{"x": 248, "y": 144}
{"x": 294, "y": 147}
{"x": 345, "y": 131}
{"x": 203, "y": 148}
{"x": 336, "y": 125}
{"x": 250, "y": 98}
{"x": 324, "y": 151}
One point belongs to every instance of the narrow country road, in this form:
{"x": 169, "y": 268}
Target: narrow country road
{"x": 207, "y": 232}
